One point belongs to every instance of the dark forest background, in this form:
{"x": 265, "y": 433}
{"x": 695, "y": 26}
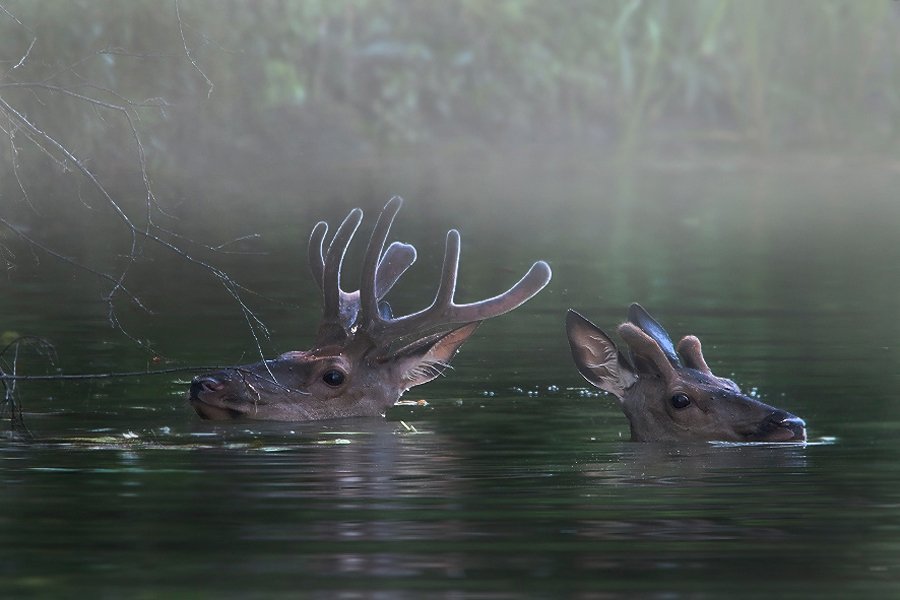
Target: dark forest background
{"x": 219, "y": 87}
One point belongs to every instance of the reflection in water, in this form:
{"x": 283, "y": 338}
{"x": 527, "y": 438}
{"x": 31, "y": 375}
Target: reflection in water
{"x": 681, "y": 467}
{"x": 699, "y": 464}
{"x": 345, "y": 501}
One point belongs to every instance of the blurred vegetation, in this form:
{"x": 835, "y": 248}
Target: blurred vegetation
{"x": 320, "y": 75}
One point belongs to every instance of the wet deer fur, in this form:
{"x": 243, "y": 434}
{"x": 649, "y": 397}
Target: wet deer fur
{"x": 363, "y": 358}
{"x": 669, "y": 393}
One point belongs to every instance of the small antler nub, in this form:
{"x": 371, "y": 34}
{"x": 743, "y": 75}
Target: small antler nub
{"x": 691, "y": 352}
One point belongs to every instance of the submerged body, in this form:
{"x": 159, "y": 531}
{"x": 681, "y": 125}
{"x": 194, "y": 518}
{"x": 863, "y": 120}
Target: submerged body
{"x": 669, "y": 394}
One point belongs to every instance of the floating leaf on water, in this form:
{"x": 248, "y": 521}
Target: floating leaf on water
{"x": 411, "y": 403}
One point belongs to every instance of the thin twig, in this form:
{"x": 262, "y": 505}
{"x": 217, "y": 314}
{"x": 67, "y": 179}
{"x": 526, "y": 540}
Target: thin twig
{"x": 187, "y": 52}
{"x": 14, "y": 18}
{"x": 25, "y": 56}
{"x": 114, "y": 375}
{"x": 149, "y": 103}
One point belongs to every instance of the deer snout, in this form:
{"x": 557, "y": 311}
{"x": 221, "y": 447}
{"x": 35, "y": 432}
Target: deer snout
{"x": 209, "y": 397}
{"x": 205, "y": 384}
{"x": 785, "y": 426}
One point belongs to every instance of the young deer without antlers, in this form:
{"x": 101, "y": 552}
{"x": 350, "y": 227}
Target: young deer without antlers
{"x": 671, "y": 395}
{"x": 363, "y": 358}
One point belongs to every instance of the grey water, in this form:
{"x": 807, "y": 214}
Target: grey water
{"x": 509, "y": 477}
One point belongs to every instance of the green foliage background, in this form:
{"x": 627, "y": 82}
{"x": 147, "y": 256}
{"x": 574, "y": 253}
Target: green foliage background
{"x": 630, "y": 74}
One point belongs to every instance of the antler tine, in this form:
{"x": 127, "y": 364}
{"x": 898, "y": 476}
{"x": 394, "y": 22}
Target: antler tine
{"x": 331, "y": 274}
{"x": 396, "y": 260}
{"x": 381, "y": 270}
{"x": 443, "y": 298}
{"x": 531, "y": 283}
{"x": 450, "y": 268}
{"x": 368, "y": 298}
{"x": 444, "y": 312}
{"x": 316, "y": 258}
{"x": 341, "y": 308}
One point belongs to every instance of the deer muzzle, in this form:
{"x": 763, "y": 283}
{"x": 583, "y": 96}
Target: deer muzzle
{"x": 207, "y": 397}
{"x": 782, "y": 426}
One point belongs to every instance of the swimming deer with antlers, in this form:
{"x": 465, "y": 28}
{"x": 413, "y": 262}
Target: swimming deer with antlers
{"x": 363, "y": 358}
{"x": 670, "y": 394}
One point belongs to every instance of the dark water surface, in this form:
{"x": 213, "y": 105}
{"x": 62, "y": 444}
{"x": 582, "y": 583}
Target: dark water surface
{"x": 514, "y": 479}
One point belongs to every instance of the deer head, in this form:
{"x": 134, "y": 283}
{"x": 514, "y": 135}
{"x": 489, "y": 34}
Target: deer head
{"x": 668, "y": 394}
{"x": 363, "y": 358}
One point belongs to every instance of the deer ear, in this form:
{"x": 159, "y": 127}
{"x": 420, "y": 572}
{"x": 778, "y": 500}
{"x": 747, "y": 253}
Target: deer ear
{"x": 637, "y": 315}
{"x": 427, "y": 358}
{"x": 596, "y": 356}
{"x": 648, "y": 357}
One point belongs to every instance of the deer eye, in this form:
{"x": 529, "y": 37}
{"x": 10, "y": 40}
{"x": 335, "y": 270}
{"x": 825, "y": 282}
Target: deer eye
{"x": 333, "y": 377}
{"x": 680, "y": 401}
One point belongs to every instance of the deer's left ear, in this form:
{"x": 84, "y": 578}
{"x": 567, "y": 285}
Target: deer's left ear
{"x": 596, "y": 356}
{"x": 427, "y": 358}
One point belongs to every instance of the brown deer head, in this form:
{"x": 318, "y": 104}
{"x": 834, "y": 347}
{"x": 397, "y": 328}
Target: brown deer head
{"x": 363, "y": 358}
{"x": 671, "y": 395}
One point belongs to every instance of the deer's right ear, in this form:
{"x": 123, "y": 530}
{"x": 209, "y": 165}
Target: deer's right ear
{"x": 427, "y": 358}
{"x": 596, "y": 356}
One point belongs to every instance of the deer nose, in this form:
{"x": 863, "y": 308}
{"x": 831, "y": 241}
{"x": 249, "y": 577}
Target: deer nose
{"x": 205, "y": 383}
{"x": 793, "y": 423}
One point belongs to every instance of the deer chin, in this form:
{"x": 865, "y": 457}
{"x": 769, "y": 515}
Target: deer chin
{"x": 789, "y": 430}
{"x": 214, "y": 411}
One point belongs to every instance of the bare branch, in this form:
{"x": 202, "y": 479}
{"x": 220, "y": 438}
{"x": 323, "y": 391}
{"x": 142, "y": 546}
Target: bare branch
{"x": 137, "y": 234}
{"x": 11, "y": 402}
{"x": 143, "y": 229}
{"x": 187, "y": 52}
{"x": 18, "y": 22}
{"x": 91, "y": 376}
{"x": 25, "y": 56}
